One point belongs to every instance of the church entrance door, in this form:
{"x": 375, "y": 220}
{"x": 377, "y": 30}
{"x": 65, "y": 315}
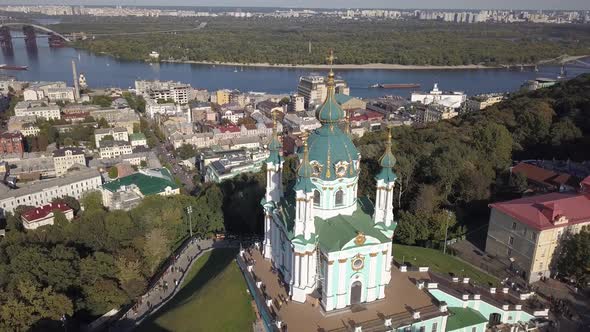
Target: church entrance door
{"x": 355, "y": 292}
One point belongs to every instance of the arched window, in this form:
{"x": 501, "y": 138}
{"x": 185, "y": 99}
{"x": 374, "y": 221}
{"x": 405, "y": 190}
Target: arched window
{"x": 339, "y": 197}
{"x": 316, "y": 198}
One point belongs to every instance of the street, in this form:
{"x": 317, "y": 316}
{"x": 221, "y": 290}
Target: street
{"x": 177, "y": 170}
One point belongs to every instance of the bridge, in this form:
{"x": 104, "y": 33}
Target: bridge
{"x": 37, "y": 27}
{"x": 55, "y": 39}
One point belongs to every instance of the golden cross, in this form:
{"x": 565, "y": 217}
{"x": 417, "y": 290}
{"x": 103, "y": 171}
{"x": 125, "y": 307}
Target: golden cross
{"x": 331, "y": 57}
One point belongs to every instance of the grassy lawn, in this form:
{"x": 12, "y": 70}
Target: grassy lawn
{"x": 441, "y": 263}
{"x": 212, "y": 298}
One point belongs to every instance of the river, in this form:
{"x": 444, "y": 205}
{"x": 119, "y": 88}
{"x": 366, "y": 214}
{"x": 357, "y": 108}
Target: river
{"x": 47, "y": 64}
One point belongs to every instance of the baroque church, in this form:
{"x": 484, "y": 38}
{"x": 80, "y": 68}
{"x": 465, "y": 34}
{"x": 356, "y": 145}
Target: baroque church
{"x": 326, "y": 242}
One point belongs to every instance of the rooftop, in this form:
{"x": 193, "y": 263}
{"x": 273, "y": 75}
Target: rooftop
{"x": 543, "y": 211}
{"x": 109, "y": 130}
{"x": 402, "y": 297}
{"x": 148, "y": 184}
{"x": 546, "y": 177}
{"x": 137, "y": 137}
{"x": 43, "y": 211}
{"x": 62, "y": 152}
{"x": 463, "y": 317}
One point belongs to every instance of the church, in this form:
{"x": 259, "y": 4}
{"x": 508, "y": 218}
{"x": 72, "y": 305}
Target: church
{"x": 327, "y": 243}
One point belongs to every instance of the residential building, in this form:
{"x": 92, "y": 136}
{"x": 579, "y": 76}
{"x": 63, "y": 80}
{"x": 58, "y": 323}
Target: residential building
{"x": 314, "y": 91}
{"x": 32, "y": 166}
{"x": 23, "y": 124}
{"x": 350, "y": 103}
{"x": 200, "y": 111}
{"x": 138, "y": 139}
{"x": 126, "y": 117}
{"x": 11, "y": 143}
{"x": 223, "y": 165}
{"x": 539, "y": 83}
{"x": 152, "y": 107}
{"x": 297, "y": 103}
{"x": 164, "y": 90}
{"x": 10, "y": 82}
{"x": 40, "y": 90}
{"x": 526, "y": 232}
{"x": 480, "y": 102}
{"x": 452, "y": 100}
{"x": 233, "y": 116}
{"x": 114, "y": 149}
{"x": 66, "y": 94}
{"x": 37, "y": 109}
{"x": 297, "y": 123}
{"x": 44, "y": 215}
{"x": 222, "y": 97}
{"x": 544, "y": 180}
{"x": 270, "y": 107}
{"x": 39, "y": 193}
{"x": 433, "y": 113}
{"x": 65, "y": 158}
{"x": 113, "y": 134}
{"x": 127, "y": 192}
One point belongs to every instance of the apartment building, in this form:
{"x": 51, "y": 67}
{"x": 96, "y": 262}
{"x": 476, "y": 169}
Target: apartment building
{"x": 526, "y": 232}
{"x": 65, "y": 158}
{"x": 43, "y": 192}
{"x": 314, "y": 91}
{"x": 44, "y": 215}
{"x": 125, "y": 118}
{"x": 39, "y": 91}
{"x": 117, "y": 134}
{"x": 11, "y": 143}
{"x": 113, "y": 149}
{"x": 37, "y": 109}
{"x": 165, "y": 90}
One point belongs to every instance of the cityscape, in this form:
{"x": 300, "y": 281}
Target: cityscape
{"x": 278, "y": 169}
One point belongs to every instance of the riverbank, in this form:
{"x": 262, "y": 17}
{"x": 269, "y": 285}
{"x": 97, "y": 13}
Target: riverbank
{"x": 369, "y": 66}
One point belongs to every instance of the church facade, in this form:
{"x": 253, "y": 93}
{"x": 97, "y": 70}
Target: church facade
{"x": 326, "y": 242}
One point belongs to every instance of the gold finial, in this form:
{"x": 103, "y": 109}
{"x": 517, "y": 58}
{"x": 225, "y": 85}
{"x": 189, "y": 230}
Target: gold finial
{"x": 274, "y": 122}
{"x": 347, "y": 121}
{"x": 389, "y": 126}
{"x": 304, "y": 137}
{"x": 331, "y": 57}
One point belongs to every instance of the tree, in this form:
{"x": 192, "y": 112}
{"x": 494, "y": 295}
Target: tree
{"x": 156, "y": 248}
{"x": 29, "y": 303}
{"x": 129, "y": 275}
{"x": 494, "y": 143}
{"x": 113, "y": 172}
{"x": 574, "y": 259}
{"x": 102, "y": 101}
{"x": 427, "y": 200}
{"x": 102, "y": 296}
{"x": 518, "y": 182}
{"x": 92, "y": 200}
{"x": 186, "y": 151}
{"x": 102, "y": 123}
{"x": 563, "y": 131}
{"x": 69, "y": 201}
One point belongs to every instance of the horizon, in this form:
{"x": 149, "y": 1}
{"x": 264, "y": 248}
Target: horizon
{"x": 308, "y": 4}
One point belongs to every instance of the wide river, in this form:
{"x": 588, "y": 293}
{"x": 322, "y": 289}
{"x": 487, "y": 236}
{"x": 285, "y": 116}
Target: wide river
{"x": 48, "y": 64}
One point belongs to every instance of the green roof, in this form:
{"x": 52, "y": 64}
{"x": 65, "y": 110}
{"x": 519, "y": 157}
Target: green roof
{"x": 342, "y": 98}
{"x": 328, "y": 145}
{"x": 460, "y": 318}
{"x": 136, "y": 137}
{"x": 330, "y": 111}
{"x": 147, "y": 184}
{"x": 337, "y": 231}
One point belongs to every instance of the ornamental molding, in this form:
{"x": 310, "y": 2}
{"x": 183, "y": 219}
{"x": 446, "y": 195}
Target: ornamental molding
{"x": 360, "y": 239}
{"x": 341, "y": 167}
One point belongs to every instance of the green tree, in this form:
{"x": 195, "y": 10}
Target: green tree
{"x": 155, "y": 248}
{"x": 113, "y": 172}
{"x": 29, "y": 303}
{"x": 186, "y": 151}
{"x": 574, "y": 259}
{"x": 563, "y": 131}
{"x": 102, "y": 296}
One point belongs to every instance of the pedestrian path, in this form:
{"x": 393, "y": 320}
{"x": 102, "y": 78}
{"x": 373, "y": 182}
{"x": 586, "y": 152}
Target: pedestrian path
{"x": 168, "y": 284}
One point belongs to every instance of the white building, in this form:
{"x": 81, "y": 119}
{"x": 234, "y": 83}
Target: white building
{"x": 43, "y": 192}
{"x": 37, "y": 109}
{"x": 166, "y": 90}
{"x": 297, "y": 103}
{"x": 314, "y": 91}
{"x": 39, "y": 91}
{"x": 114, "y": 149}
{"x": 453, "y": 99}
{"x": 64, "y": 159}
{"x": 44, "y": 215}
{"x": 118, "y": 134}
{"x": 62, "y": 94}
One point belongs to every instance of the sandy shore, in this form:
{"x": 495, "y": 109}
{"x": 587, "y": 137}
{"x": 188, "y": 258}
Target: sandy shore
{"x": 383, "y": 66}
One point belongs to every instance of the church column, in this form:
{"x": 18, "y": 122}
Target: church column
{"x": 330, "y": 300}
{"x": 342, "y": 297}
{"x": 304, "y": 271}
{"x": 267, "y": 235}
{"x": 372, "y": 287}
{"x": 297, "y": 272}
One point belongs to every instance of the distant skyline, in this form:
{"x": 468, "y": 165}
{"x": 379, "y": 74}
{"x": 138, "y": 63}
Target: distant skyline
{"x": 418, "y": 4}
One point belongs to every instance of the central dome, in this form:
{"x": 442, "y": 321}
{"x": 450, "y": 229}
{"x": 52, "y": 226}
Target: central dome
{"x": 332, "y": 154}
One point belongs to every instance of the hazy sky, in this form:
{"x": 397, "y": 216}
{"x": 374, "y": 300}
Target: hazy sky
{"x": 507, "y": 4}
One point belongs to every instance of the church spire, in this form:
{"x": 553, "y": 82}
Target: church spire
{"x": 304, "y": 171}
{"x": 274, "y": 146}
{"x": 387, "y": 161}
{"x": 330, "y": 111}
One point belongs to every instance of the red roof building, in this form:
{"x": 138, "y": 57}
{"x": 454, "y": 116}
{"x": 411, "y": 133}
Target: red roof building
{"x": 525, "y": 232}
{"x": 41, "y": 216}
{"x": 11, "y": 143}
{"x": 545, "y": 179}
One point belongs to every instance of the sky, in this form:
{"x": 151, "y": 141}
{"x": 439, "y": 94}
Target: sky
{"x": 428, "y": 4}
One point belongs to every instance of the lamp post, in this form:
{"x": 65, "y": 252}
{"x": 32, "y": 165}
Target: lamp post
{"x": 189, "y": 211}
{"x": 446, "y": 231}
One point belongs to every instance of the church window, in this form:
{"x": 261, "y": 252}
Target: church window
{"x": 316, "y": 198}
{"x": 316, "y": 168}
{"x": 357, "y": 263}
{"x": 339, "y": 197}
{"x": 341, "y": 168}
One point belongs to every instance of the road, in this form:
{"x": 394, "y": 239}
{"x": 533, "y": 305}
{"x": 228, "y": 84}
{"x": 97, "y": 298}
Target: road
{"x": 178, "y": 171}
